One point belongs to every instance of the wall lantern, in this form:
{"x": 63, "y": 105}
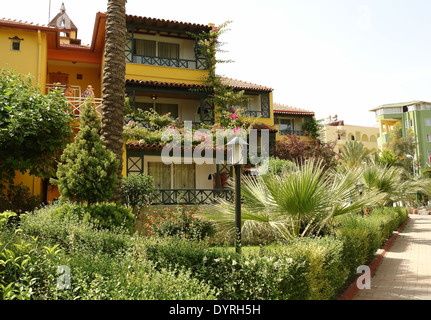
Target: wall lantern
{"x": 16, "y": 43}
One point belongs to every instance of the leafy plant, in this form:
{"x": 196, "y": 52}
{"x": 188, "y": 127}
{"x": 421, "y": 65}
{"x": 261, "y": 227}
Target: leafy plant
{"x": 87, "y": 172}
{"x": 353, "y": 154}
{"x": 34, "y": 127}
{"x": 137, "y": 191}
{"x": 297, "y": 150}
{"x": 299, "y": 203}
{"x": 183, "y": 222}
{"x": 19, "y": 199}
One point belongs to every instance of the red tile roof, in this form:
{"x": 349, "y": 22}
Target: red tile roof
{"x": 25, "y": 25}
{"x": 283, "y": 109}
{"x": 158, "y": 148}
{"x": 238, "y": 84}
{"x": 170, "y": 24}
{"x": 164, "y": 84}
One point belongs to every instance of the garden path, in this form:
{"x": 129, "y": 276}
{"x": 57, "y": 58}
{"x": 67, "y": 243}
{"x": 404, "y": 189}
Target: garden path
{"x": 405, "y": 270}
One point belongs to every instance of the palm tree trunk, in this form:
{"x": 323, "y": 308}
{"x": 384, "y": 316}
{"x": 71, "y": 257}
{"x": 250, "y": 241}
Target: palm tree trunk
{"x": 114, "y": 84}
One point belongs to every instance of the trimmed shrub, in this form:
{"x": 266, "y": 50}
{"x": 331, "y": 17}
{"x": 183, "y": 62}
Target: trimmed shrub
{"x": 182, "y": 222}
{"x": 137, "y": 191}
{"x": 19, "y": 199}
{"x": 302, "y": 270}
{"x": 71, "y": 227}
{"x": 29, "y": 270}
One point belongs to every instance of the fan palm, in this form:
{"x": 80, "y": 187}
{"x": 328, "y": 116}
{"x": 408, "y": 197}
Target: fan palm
{"x": 298, "y": 203}
{"x": 353, "y": 154}
{"x": 390, "y": 182}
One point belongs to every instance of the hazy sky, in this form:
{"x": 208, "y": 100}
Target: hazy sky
{"x": 341, "y": 57}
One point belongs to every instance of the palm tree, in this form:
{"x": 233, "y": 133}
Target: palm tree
{"x": 113, "y": 84}
{"x": 298, "y": 203}
{"x": 353, "y": 154}
{"x": 390, "y": 182}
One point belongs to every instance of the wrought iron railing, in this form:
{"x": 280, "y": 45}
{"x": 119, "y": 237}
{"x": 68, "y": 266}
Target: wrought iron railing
{"x": 254, "y": 114}
{"x": 169, "y": 62}
{"x": 191, "y": 196}
{"x": 289, "y": 132}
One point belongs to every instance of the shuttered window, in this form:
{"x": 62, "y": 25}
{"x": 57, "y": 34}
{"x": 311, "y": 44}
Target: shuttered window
{"x": 169, "y": 50}
{"x": 145, "y": 48}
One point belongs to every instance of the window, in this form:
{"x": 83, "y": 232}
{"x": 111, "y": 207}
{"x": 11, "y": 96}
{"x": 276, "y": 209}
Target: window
{"x": 169, "y": 50}
{"x": 184, "y": 176}
{"x": 286, "y": 124}
{"x": 16, "y": 46}
{"x": 389, "y": 111}
{"x": 428, "y": 137}
{"x": 174, "y": 176}
{"x": 428, "y": 122}
{"x": 411, "y": 123}
{"x": 160, "y": 108}
{"x": 161, "y": 174}
{"x": 152, "y": 48}
{"x": 406, "y": 123}
{"x": 145, "y": 48}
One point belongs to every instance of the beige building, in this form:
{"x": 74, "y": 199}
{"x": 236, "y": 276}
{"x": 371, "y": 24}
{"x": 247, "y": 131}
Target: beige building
{"x": 341, "y": 133}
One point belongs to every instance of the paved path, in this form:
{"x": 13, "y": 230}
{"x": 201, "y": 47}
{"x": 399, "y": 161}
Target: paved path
{"x": 405, "y": 271}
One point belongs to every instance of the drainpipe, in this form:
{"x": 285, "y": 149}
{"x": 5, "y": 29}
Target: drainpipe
{"x": 39, "y": 63}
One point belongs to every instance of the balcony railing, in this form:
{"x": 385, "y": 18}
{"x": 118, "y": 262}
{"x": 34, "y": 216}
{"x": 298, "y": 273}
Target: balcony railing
{"x": 253, "y": 114}
{"x": 76, "y": 101}
{"x": 191, "y": 196}
{"x": 76, "y": 104}
{"x": 198, "y": 64}
{"x": 290, "y": 132}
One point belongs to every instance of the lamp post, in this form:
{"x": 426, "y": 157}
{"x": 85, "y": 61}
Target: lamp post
{"x": 238, "y": 158}
{"x": 414, "y": 172}
{"x": 360, "y": 187}
{"x": 413, "y": 160}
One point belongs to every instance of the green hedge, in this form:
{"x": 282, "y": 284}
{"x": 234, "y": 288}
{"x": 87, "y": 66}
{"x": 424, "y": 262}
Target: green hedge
{"x": 304, "y": 269}
{"x": 112, "y": 264}
{"x": 104, "y": 265}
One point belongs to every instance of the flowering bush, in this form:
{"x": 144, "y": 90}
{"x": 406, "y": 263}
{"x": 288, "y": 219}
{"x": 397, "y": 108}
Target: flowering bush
{"x": 182, "y": 222}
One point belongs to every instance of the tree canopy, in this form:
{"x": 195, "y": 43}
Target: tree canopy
{"x": 87, "y": 172}
{"x": 34, "y": 127}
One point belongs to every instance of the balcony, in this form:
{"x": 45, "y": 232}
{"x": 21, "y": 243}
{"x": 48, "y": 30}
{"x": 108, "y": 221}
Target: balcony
{"x": 191, "y": 196}
{"x": 290, "y": 132}
{"x": 75, "y": 100}
{"x": 198, "y": 64}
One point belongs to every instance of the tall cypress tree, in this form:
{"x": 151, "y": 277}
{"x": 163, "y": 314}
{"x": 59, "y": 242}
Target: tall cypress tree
{"x": 87, "y": 172}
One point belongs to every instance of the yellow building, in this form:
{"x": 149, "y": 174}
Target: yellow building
{"x": 290, "y": 120}
{"x": 340, "y": 133}
{"x": 162, "y": 69}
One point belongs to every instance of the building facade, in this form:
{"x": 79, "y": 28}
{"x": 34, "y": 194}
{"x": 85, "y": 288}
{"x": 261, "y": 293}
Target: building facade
{"x": 164, "y": 72}
{"x": 414, "y": 116}
{"x": 339, "y": 133}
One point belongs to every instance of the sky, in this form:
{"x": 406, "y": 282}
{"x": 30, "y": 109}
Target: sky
{"x": 333, "y": 57}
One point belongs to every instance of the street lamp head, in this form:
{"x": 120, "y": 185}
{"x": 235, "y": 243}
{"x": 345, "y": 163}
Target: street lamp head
{"x": 238, "y": 152}
{"x": 360, "y": 187}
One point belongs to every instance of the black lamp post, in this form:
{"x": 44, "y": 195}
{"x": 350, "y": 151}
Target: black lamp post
{"x": 237, "y": 159}
{"x": 360, "y": 187}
